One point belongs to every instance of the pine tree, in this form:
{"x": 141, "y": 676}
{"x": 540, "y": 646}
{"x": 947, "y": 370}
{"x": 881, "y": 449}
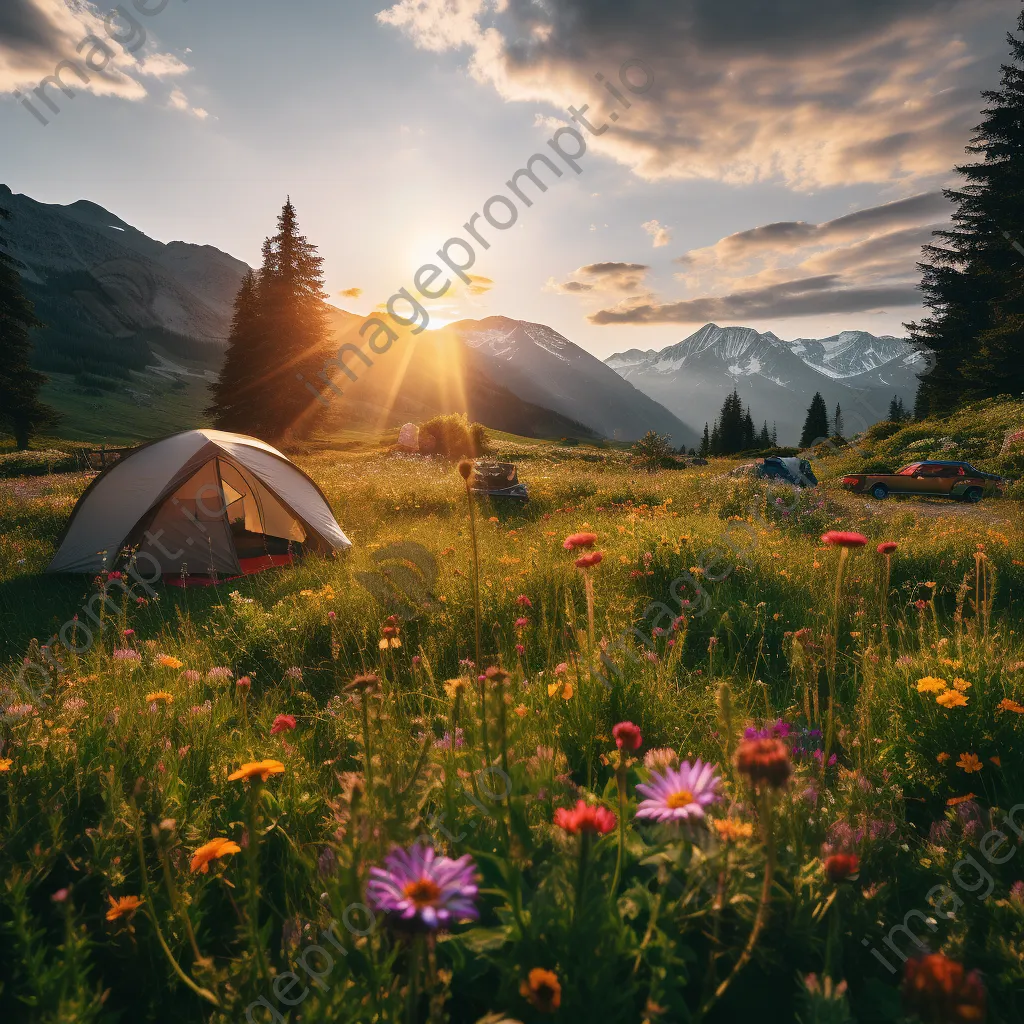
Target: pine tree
{"x": 775, "y": 436}
{"x": 730, "y": 426}
{"x": 21, "y": 412}
{"x": 749, "y": 435}
{"x": 816, "y": 424}
{"x": 765, "y": 439}
{"x": 705, "y": 443}
{"x": 237, "y": 387}
{"x": 897, "y": 412}
{"x": 279, "y": 335}
{"x": 716, "y": 440}
{"x": 837, "y": 423}
{"x": 972, "y": 283}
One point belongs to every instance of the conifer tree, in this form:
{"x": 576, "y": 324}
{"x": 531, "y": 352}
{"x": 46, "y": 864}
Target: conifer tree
{"x": 716, "y": 440}
{"x": 749, "y": 436}
{"x": 705, "y": 443}
{"x": 972, "y": 282}
{"x": 775, "y": 436}
{"x": 279, "y": 336}
{"x": 816, "y": 424}
{"x": 837, "y": 423}
{"x": 21, "y": 412}
{"x": 765, "y": 439}
{"x": 234, "y": 390}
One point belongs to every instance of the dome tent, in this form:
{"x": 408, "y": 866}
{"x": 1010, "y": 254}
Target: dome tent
{"x": 201, "y": 503}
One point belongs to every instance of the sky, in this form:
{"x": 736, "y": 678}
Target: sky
{"x": 778, "y": 166}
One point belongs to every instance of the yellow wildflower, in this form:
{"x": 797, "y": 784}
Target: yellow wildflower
{"x": 5, "y": 764}
{"x": 951, "y": 699}
{"x": 930, "y": 684}
{"x": 161, "y": 696}
{"x": 961, "y": 684}
{"x": 942, "y": 758}
{"x": 168, "y": 661}
{"x": 730, "y": 831}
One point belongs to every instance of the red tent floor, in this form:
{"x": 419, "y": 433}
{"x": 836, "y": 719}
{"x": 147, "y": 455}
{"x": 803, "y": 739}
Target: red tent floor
{"x": 248, "y": 565}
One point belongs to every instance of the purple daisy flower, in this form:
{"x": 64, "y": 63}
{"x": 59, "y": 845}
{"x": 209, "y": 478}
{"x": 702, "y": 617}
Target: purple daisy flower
{"x": 416, "y": 887}
{"x": 678, "y": 794}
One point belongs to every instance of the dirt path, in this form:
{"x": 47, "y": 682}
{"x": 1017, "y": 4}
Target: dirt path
{"x": 991, "y": 513}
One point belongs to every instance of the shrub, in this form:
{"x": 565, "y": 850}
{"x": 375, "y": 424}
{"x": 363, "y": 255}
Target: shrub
{"x": 453, "y": 437}
{"x": 37, "y": 463}
{"x": 651, "y": 450}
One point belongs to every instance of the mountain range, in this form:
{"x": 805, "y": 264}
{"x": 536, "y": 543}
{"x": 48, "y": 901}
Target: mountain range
{"x": 125, "y": 311}
{"x": 776, "y": 379}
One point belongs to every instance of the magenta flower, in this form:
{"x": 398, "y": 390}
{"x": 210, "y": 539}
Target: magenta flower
{"x": 679, "y": 794}
{"x": 417, "y": 888}
{"x": 523, "y": 601}
{"x": 522, "y": 623}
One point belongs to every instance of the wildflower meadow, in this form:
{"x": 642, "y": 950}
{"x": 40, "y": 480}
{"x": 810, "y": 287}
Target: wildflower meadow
{"x": 653, "y": 747}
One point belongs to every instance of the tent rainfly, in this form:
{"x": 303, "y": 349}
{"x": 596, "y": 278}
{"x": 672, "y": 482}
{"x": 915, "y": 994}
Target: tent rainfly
{"x": 203, "y": 503}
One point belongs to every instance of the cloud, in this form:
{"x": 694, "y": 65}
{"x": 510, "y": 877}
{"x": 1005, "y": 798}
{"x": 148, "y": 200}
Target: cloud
{"x": 804, "y": 297}
{"x": 351, "y": 293}
{"x": 92, "y": 51}
{"x": 856, "y": 263}
{"x": 792, "y": 235}
{"x": 179, "y": 101}
{"x": 810, "y": 92}
{"x": 662, "y": 235}
{"x": 604, "y": 277}
{"x": 480, "y": 285}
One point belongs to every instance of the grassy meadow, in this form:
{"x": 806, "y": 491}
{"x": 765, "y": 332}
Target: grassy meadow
{"x": 888, "y": 689}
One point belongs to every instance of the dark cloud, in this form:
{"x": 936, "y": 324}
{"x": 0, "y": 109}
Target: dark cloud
{"x": 810, "y": 92}
{"x": 622, "y": 277}
{"x": 23, "y": 25}
{"x": 784, "y": 236}
{"x": 803, "y": 297}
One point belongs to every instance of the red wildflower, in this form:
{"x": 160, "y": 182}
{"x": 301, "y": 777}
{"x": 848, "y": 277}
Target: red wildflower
{"x": 887, "y": 547}
{"x": 523, "y": 601}
{"x": 585, "y": 817}
{"x": 579, "y": 540}
{"x": 940, "y": 991}
{"x": 244, "y": 684}
{"x": 841, "y": 866}
{"x": 844, "y": 539}
{"x": 283, "y": 723}
{"x": 627, "y": 736}
{"x": 588, "y": 560}
{"x": 764, "y": 760}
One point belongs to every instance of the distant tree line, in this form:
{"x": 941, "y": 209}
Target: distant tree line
{"x": 734, "y": 431}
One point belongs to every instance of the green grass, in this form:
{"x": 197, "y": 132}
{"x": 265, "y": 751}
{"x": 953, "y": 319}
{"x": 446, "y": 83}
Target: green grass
{"x": 95, "y": 769}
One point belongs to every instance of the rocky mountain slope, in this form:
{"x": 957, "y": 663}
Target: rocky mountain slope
{"x": 542, "y": 367}
{"x": 776, "y": 378}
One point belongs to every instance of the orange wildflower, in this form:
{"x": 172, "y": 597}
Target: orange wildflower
{"x": 168, "y": 661}
{"x": 213, "y": 850}
{"x": 955, "y": 801}
{"x": 931, "y": 684}
{"x": 730, "y": 831}
{"x": 541, "y": 989}
{"x": 161, "y": 696}
{"x": 123, "y": 906}
{"x": 951, "y": 699}
{"x": 1010, "y": 705}
{"x": 969, "y": 763}
{"x": 264, "y": 769}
